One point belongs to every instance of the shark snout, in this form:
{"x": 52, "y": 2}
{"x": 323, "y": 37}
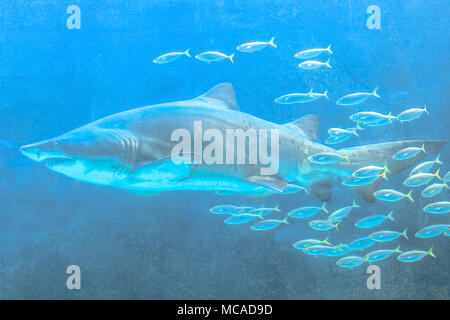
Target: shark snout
{"x": 43, "y": 150}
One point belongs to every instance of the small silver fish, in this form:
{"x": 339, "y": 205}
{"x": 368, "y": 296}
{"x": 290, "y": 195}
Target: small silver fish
{"x": 340, "y": 214}
{"x": 411, "y": 114}
{"x": 311, "y": 53}
{"x": 311, "y": 65}
{"x": 372, "y": 171}
{"x": 211, "y": 56}
{"x": 350, "y": 261}
{"x": 326, "y": 158}
{"x": 356, "y": 98}
{"x": 370, "y": 117}
{"x": 300, "y": 97}
{"x": 303, "y": 244}
{"x": 306, "y": 212}
{"x": 392, "y": 195}
{"x": 242, "y": 218}
{"x": 415, "y": 255}
{"x": 419, "y": 179}
{"x": 434, "y": 189}
{"x": 432, "y": 231}
{"x": 356, "y": 182}
{"x": 255, "y": 46}
{"x": 268, "y": 224}
{"x": 169, "y": 57}
{"x": 426, "y": 166}
{"x": 322, "y": 225}
{"x": 440, "y": 207}
{"x": 408, "y": 153}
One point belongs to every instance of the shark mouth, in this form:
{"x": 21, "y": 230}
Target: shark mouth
{"x": 51, "y": 162}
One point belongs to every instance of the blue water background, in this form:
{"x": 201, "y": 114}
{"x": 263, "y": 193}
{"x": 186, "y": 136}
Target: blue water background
{"x": 53, "y": 80}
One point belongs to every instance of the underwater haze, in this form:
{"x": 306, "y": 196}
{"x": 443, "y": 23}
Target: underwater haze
{"x": 59, "y": 72}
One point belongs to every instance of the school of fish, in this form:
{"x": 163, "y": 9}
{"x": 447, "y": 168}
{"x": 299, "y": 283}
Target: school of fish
{"x": 420, "y": 176}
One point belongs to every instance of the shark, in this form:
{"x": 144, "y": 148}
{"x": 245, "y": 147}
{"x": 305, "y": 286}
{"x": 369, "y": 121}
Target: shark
{"x": 133, "y": 150}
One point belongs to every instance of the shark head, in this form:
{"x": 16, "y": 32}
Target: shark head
{"x": 87, "y": 154}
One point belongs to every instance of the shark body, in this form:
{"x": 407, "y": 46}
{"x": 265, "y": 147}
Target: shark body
{"x": 132, "y": 150}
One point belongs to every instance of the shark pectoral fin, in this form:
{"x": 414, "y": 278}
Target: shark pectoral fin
{"x": 321, "y": 189}
{"x": 307, "y": 125}
{"x": 366, "y": 192}
{"x": 224, "y": 93}
{"x": 269, "y": 182}
{"x": 144, "y": 192}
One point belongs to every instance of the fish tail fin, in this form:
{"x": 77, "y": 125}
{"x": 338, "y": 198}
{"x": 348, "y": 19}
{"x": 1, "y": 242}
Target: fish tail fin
{"x": 187, "y": 53}
{"x": 438, "y": 160}
{"x": 324, "y": 208}
{"x": 336, "y": 226}
{"x": 271, "y": 42}
{"x": 383, "y": 175}
{"x": 425, "y": 110}
{"x": 398, "y": 250}
{"x": 328, "y": 63}
{"x": 409, "y": 195}
{"x": 446, "y": 185}
{"x": 358, "y": 126}
{"x": 423, "y": 149}
{"x": 389, "y": 116}
{"x": 231, "y": 57}
{"x": 354, "y": 205}
{"x": 437, "y": 174}
{"x": 277, "y": 209}
{"x": 346, "y": 158}
{"x": 326, "y": 241}
{"x": 325, "y": 94}
{"x": 285, "y": 220}
{"x": 386, "y": 167}
{"x": 354, "y": 132}
{"x": 404, "y": 234}
{"x": 329, "y": 49}
{"x": 430, "y": 252}
{"x": 391, "y": 215}
{"x": 310, "y": 93}
{"x": 374, "y": 92}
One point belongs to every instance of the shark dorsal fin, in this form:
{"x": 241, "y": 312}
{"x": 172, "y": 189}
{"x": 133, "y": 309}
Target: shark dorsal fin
{"x": 224, "y": 93}
{"x": 308, "y": 125}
